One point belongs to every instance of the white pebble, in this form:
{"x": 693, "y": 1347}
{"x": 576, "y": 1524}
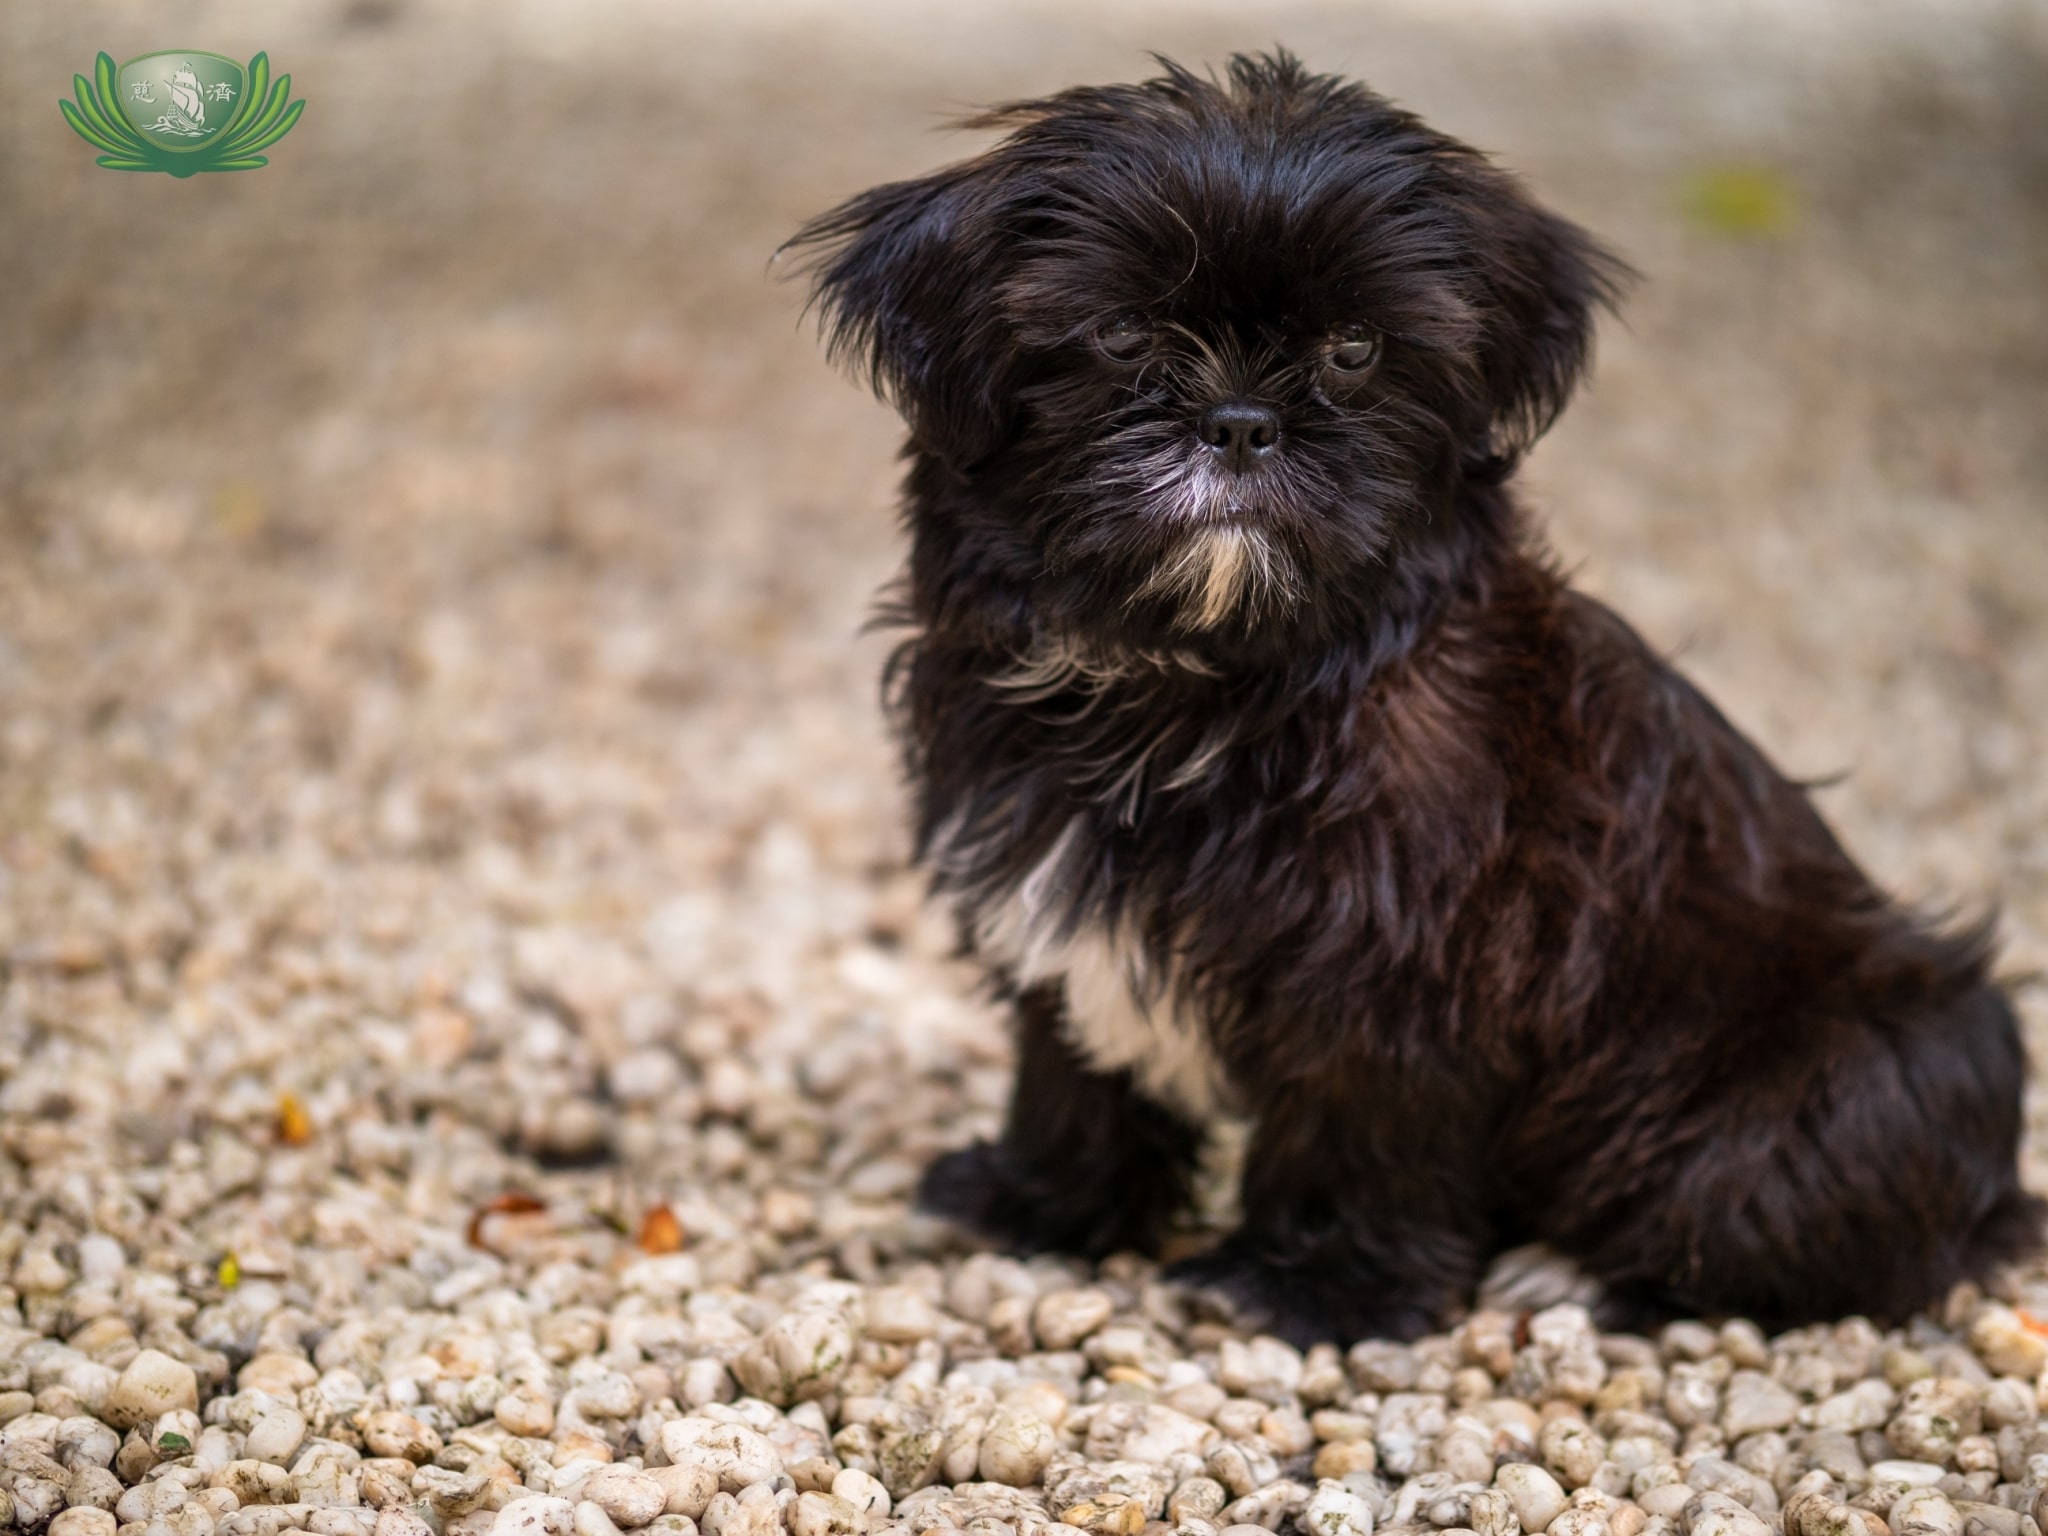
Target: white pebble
{"x": 536, "y": 1515}
{"x": 862, "y": 1491}
{"x": 1537, "y": 1496}
{"x": 152, "y": 1385}
{"x": 630, "y": 1498}
{"x": 1063, "y": 1318}
{"x": 736, "y": 1455}
{"x": 1334, "y": 1510}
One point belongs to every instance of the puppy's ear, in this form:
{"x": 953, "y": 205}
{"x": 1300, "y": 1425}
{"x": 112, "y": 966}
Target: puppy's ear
{"x": 902, "y": 277}
{"x": 1545, "y": 281}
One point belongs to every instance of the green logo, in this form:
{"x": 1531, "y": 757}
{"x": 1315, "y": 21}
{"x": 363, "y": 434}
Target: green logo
{"x": 182, "y": 111}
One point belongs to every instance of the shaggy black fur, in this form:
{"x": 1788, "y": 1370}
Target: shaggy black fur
{"x": 1493, "y": 926}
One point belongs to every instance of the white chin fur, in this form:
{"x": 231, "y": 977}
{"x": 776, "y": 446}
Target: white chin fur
{"x": 1219, "y": 572}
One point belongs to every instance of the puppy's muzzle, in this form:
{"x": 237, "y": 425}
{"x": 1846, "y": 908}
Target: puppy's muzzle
{"x": 1239, "y": 432}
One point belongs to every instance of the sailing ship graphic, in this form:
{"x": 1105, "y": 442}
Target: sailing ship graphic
{"x": 187, "y": 115}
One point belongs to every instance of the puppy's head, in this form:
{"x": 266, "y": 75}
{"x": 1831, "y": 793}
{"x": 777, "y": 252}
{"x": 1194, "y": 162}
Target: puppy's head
{"x": 1211, "y": 358}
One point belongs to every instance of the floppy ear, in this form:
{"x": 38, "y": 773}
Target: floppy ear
{"x": 1544, "y": 279}
{"x": 901, "y": 277}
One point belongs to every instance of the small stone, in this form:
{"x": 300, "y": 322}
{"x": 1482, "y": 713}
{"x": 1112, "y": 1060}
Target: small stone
{"x": 276, "y": 1436}
{"x": 753, "y": 1513}
{"x": 152, "y": 1385}
{"x": 450, "y": 1494}
{"x": 282, "y": 1376}
{"x": 83, "y": 1520}
{"x": 392, "y": 1433}
{"x": 824, "y": 1514}
{"x": 1537, "y": 1497}
{"x": 1266, "y": 1368}
{"x": 1907, "y": 1474}
{"x": 736, "y": 1455}
{"x": 1492, "y": 1513}
{"x": 1934, "y": 1414}
{"x": 2006, "y": 1343}
{"x": 1063, "y": 1318}
{"x": 255, "y": 1482}
{"x": 591, "y": 1520}
{"x": 92, "y": 1486}
{"x": 801, "y": 1356}
{"x": 863, "y": 1492}
{"x": 386, "y": 1483}
{"x": 909, "y": 1459}
{"x": 525, "y": 1413}
{"x": 1016, "y": 1447}
{"x": 687, "y": 1487}
{"x": 536, "y": 1515}
{"x": 150, "y": 1501}
{"x": 1108, "y": 1514}
{"x": 630, "y": 1498}
{"x": 1379, "y": 1365}
{"x": 1754, "y": 1403}
{"x": 1716, "y": 1474}
{"x": 1867, "y": 1405}
{"x": 1667, "y": 1500}
{"x": 1715, "y": 1514}
{"x": 1341, "y": 1458}
{"x": 1465, "y": 1451}
{"x": 896, "y": 1314}
{"x": 611, "y": 1395}
{"x": 400, "y": 1522}
{"x": 325, "y": 1481}
{"x": 1197, "y": 1498}
{"x": 1815, "y": 1514}
{"x": 1923, "y": 1512}
{"x": 1334, "y": 1510}
{"x": 1288, "y": 1433}
{"x": 1571, "y": 1449}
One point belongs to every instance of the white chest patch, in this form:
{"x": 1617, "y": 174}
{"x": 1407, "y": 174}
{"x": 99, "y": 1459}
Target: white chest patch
{"x": 1122, "y": 1014}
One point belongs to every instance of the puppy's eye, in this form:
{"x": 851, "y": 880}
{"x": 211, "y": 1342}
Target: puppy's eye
{"x": 1126, "y": 339}
{"x": 1354, "y": 350}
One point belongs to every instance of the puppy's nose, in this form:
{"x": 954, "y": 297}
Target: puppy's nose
{"x": 1239, "y": 432}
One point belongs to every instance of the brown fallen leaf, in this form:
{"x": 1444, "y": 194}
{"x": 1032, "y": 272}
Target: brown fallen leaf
{"x": 660, "y": 1232}
{"x": 294, "y": 1124}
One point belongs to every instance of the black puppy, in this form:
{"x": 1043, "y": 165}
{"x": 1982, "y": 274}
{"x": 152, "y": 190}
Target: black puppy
{"x": 1274, "y": 769}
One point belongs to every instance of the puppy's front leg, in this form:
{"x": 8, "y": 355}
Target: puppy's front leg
{"x": 1359, "y": 1221}
{"x": 1086, "y": 1165}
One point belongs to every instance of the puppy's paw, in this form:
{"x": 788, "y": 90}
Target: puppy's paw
{"x": 967, "y": 1188}
{"x": 1302, "y": 1303}
{"x": 981, "y": 1188}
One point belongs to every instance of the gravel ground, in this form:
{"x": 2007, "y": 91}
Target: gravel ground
{"x": 466, "y": 1031}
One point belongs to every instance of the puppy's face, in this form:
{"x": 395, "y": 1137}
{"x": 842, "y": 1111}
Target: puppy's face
{"x": 1211, "y": 359}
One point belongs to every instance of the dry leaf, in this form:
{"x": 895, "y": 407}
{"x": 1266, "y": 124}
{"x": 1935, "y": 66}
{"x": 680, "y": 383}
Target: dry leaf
{"x": 660, "y": 1232}
{"x": 294, "y": 1125}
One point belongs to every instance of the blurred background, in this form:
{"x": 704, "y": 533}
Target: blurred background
{"x": 432, "y": 692}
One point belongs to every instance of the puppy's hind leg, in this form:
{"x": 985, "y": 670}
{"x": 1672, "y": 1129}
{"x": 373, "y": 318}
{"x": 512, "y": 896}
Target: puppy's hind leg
{"x": 1086, "y": 1165}
{"x": 1868, "y": 1177}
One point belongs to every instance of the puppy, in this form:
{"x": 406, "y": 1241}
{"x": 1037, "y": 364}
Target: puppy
{"x": 1275, "y": 771}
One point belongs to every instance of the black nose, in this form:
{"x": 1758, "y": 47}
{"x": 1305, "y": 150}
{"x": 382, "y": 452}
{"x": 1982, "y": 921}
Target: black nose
{"x": 1239, "y": 432}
